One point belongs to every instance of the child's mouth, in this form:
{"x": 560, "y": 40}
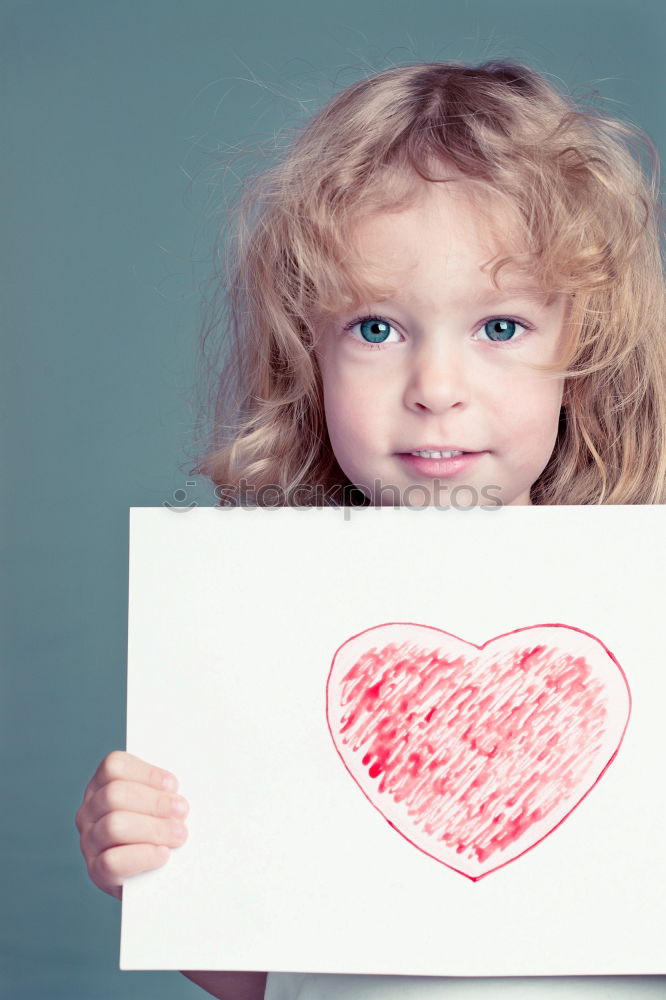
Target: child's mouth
{"x": 439, "y": 461}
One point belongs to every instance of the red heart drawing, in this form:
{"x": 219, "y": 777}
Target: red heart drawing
{"x": 475, "y": 754}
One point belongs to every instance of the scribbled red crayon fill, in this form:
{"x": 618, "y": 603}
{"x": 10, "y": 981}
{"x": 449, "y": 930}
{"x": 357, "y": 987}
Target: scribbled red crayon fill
{"x": 476, "y": 749}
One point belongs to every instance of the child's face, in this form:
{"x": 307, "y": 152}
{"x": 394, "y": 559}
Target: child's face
{"x": 442, "y": 365}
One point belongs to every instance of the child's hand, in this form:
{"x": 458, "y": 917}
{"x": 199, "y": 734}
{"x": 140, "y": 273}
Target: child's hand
{"x": 129, "y": 819}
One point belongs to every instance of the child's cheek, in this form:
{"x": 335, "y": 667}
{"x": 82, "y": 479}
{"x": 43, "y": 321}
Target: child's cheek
{"x": 356, "y": 420}
{"x": 535, "y": 419}
{"x": 352, "y": 396}
{"x": 349, "y": 416}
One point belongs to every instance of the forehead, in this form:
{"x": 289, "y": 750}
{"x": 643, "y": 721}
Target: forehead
{"x": 450, "y": 232}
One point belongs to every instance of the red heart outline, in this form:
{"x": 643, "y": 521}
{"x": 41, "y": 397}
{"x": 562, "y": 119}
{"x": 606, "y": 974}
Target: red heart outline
{"x": 603, "y": 669}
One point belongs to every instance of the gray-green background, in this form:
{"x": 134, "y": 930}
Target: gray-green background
{"x": 116, "y": 117}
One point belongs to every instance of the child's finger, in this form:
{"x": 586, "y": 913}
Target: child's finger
{"x": 122, "y": 766}
{"x": 130, "y": 796}
{"x": 118, "y": 829}
{"x": 109, "y": 869}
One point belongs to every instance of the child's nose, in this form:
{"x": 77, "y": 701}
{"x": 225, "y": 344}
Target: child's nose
{"x": 437, "y": 378}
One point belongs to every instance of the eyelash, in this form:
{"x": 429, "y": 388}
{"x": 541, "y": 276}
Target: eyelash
{"x": 527, "y": 328}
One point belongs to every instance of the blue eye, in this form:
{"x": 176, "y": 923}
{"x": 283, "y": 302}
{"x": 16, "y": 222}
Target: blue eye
{"x": 499, "y": 330}
{"x": 374, "y": 331}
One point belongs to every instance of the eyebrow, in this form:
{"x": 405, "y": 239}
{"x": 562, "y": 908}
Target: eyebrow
{"x": 531, "y": 293}
{"x": 486, "y": 297}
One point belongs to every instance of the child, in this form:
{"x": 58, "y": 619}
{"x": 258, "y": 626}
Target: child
{"x": 450, "y": 291}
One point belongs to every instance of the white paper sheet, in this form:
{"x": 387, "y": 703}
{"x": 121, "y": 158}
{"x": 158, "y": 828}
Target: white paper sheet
{"x": 296, "y": 860}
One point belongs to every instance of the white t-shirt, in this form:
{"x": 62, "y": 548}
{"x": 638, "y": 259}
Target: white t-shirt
{"x": 300, "y": 986}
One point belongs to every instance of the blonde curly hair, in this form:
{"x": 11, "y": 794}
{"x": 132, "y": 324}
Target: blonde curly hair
{"x": 591, "y": 224}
